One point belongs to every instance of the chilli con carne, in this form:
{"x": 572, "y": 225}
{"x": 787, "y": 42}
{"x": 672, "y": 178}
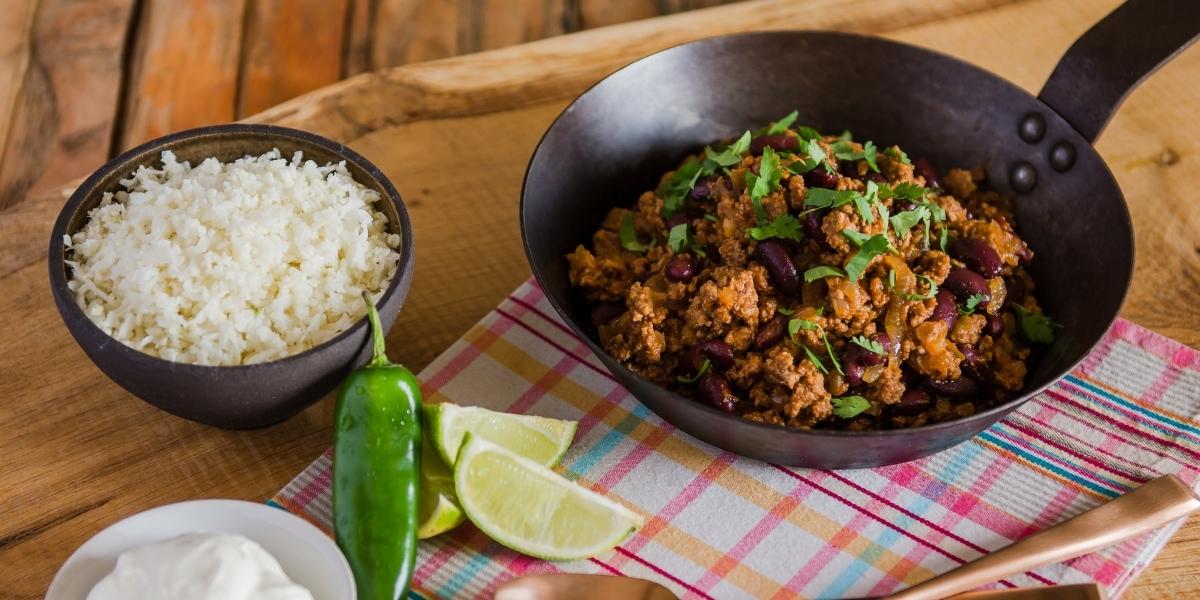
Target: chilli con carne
{"x": 810, "y": 280}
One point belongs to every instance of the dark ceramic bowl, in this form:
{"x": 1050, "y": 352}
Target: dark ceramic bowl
{"x": 236, "y": 397}
{"x": 619, "y": 137}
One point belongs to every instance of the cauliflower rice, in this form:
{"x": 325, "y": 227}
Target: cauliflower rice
{"x": 231, "y": 263}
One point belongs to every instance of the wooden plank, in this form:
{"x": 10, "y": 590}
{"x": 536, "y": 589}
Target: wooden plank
{"x": 356, "y": 50}
{"x": 63, "y": 107}
{"x": 16, "y": 28}
{"x": 101, "y": 455}
{"x": 290, "y": 47}
{"x": 407, "y": 31}
{"x": 493, "y": 24}
{"x": 184, "y": 67}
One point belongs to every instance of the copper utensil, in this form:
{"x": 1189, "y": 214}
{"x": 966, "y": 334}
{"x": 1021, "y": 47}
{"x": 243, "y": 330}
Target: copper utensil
{"x": 1149, "y": 506}
{"x": 562, "y": 586}
{"x": 569, "y": 586}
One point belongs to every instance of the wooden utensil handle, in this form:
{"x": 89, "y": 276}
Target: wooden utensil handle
{"x": 1147, "y": 507}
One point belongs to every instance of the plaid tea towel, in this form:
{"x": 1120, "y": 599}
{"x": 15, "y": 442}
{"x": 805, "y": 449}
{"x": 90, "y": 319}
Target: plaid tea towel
{"x": 723, "y": 526}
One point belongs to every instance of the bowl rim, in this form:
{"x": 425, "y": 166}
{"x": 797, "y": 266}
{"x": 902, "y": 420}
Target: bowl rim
{"x": 990, "y": 415}
{"x": 57, "y": 253}
{"x": 273, "y": 516}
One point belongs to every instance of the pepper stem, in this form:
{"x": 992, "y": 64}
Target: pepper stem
{"x": 377, "y": 338}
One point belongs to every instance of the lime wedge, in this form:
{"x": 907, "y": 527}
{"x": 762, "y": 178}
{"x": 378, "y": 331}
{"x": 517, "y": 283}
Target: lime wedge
{"x": 537, "y": 438}
{"x": 533, "y": 510}
{"x": 437, "y": 508}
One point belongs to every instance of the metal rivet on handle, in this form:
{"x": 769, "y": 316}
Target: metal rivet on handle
{"x": 1062, "y": 156}
{"x": 1023, "y": 177}
{"x": 1032, "y": 127}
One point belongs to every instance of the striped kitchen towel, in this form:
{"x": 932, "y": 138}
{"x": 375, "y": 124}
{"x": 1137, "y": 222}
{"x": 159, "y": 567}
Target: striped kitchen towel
{"x": 723, "y": 526}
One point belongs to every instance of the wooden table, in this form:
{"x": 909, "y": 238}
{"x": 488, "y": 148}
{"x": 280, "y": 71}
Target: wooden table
{"x": 454, "y": 135}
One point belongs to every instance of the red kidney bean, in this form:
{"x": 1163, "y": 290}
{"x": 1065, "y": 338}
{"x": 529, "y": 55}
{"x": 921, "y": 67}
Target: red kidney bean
{"x": 912, "y": 402}
{"x": 854, "y": 372}
{"x": 876, "y": 177}
{"x": 963, "y": 386}
{"x": 848, "y": 168}
{"x": 903, "y": 204}
{"x": 886, "y": 341}
{"x": 925, "y": 169}
{"x": 812, "y": 226}
{"x": 702, "y": 188}
{"x": 946, "y": 309}
{"x": 680, "y": 268}
{"x": 978, "y": 255}
{"x": 720, "y": 353}
{"x": 866, "y": 357}
{"x": 1024, "y": 254}
{"x": 603, "y": 314}
{"x": 820, "y": 178}
{"x": 714, "y": 390}
{"x": 966, "y": 283}
{"x": 770, "y": 333}
{"x": 780, "y": 141}
{"x": 970, "y": 354}
{"x": 774, "y": 257}
{"x": 995, "y": 325}
{"x": 679, "y": 218}
{"x": 1015, "y": 290}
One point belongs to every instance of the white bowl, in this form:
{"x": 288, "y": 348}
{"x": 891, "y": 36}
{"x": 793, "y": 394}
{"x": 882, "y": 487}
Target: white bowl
{"x": 308, "y": 556}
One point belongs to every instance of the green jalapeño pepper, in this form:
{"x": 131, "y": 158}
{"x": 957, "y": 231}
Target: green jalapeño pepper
{"x": 376, "y": 467}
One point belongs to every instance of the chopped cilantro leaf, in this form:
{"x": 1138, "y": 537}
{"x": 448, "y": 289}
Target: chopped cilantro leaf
{"x": 784, "y": 226}
{"x": 970, "y": 305}
{"x": 909, "y": 191}
{"x": 869, "y": 154}
{"x": 898, "y": 154}
{"x": 1036, "y": 326}
{"x": 808, "y": 133}
{"x": 678, "y": 240}
{"x": 816, "y": 360}
{"x": 845, "y": 136}
{"x": 677, "y": 237}
{"x": 848, "y": 407}
{"x": 700, "y": 373}
{"x": 787, "y": 312}
{"x": 728, "y": 157}
{"x": 823, "y": 198}
{"x": 815, "y": 157}
{"x": 711, "y": 217}
{"x": 869, "y": 344}
{"x": 930, "y": 292}
{"x": 942, "y": 238}
{"x": 868, "y": 248}
{"x": 904, "y": 221}
{"x": 857, "y": 237}
{"x": 766, "y": 181}
{"x": 783, "y": 124}
{"x": 628, "y": 236}
{"x": 821, "y": 272}
{"x": 863, "y": 206}
{"x": 795, "y": 325}
{"x": 674, "y": 190}
{"x": 844, "y": 150}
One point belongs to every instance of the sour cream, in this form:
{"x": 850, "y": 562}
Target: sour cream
{"x": 198, "y": 566}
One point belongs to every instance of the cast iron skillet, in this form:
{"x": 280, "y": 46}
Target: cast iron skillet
{"x": 617, "y": 138}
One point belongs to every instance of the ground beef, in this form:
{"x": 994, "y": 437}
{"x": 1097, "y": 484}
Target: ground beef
{"x": 870, "y": 324}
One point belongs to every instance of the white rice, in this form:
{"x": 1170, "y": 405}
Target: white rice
{"x": 230, "y": 264}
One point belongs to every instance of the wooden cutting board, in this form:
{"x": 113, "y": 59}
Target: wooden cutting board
{"x": 454, "y": 136}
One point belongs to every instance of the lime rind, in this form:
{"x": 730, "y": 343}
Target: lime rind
{"x": 541, "y": 439}
{"x": 438, "y": 510}
{"x": 529, "y": 508}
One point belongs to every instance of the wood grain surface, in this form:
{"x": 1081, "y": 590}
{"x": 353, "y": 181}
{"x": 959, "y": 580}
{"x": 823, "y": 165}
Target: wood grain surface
{"x": 81, "y": 80}
{"x": 454, "y": 136}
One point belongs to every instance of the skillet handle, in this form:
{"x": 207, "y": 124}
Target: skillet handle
{"x": 1114, "y": 56}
